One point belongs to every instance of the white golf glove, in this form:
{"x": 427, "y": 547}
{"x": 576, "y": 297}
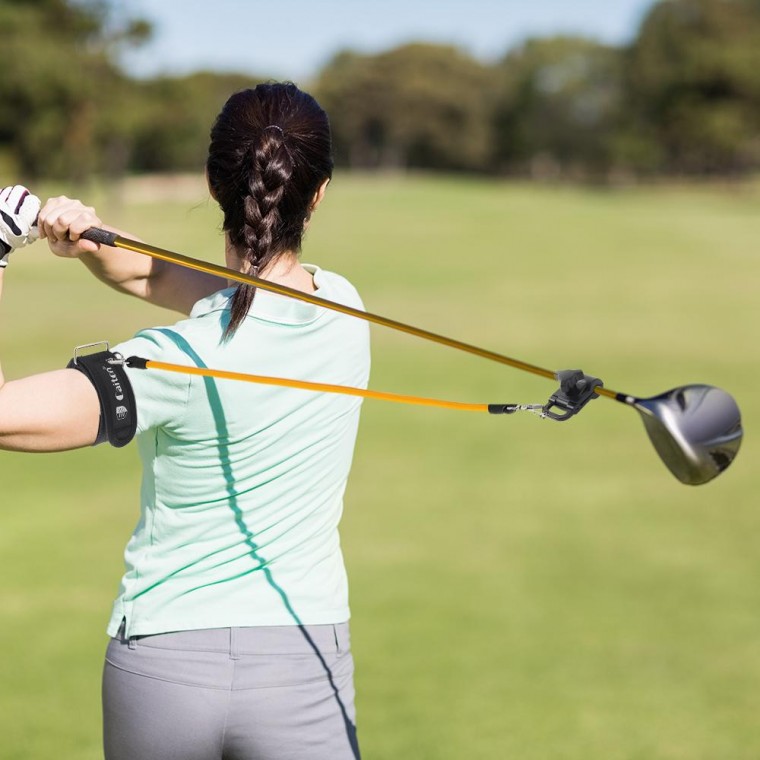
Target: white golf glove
{"x": 18, "y": 220}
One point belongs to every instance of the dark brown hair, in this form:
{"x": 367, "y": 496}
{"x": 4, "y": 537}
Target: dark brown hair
{"x": 270, "y": 152}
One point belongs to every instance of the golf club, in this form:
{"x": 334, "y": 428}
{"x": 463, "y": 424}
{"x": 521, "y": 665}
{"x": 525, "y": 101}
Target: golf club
{"x": 695, "y": 429}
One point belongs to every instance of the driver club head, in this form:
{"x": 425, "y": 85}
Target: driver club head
{"x": 696, "y": 430}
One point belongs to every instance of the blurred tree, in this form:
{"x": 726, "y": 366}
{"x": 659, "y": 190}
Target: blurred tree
{"x": 419, "y": 105}
{"x": 175, "y": 118}
{"x": 694, "y": 86}
{"x": 558, "y": 107}
{"x": 58, "y": 80}
{"x": 684, "y": 97}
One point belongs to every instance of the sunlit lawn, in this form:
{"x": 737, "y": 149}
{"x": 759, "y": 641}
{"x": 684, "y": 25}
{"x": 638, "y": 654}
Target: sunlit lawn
{"x": 520, "y": 589}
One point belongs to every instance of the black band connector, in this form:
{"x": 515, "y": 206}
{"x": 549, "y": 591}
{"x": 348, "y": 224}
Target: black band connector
{"x": 136, "y": 362}
{"x": 575, "y": 391}
{"x": 118, "y": 410}
{"x": 503, "y": 408}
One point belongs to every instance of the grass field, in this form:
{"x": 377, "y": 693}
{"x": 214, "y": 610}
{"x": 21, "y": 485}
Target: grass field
{"x": 520, "y": 589}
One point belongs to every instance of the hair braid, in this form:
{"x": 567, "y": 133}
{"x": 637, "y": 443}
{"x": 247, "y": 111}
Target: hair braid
{"x": 269, "y": 169}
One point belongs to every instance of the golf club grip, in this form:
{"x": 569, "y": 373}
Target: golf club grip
{"x": 98, "y": 235}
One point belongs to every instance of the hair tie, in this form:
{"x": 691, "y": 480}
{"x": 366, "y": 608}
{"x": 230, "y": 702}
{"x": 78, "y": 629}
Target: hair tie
{"x": 274, "y": 126}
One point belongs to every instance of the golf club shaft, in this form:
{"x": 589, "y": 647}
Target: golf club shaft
{"x": 109, "y": 238}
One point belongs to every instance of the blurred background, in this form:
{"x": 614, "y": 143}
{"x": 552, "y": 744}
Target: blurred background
{"x": 574, "y": 184}
{"x": 593, "y": 91}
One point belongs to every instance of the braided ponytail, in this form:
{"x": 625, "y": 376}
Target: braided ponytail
{"x": 270, "y": 152}
{"x": 270, "y": 169}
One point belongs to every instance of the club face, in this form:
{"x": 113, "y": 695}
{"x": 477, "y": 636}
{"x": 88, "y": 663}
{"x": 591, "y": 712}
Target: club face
{"x": 696, "y": 430}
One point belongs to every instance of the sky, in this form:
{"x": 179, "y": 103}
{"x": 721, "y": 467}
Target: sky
{"x": 292, "y": 39}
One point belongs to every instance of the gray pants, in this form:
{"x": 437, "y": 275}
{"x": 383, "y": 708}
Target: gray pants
{"x": 274, "y": 693}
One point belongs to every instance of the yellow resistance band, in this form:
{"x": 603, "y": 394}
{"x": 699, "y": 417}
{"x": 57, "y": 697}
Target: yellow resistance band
{"x": 140, "y": 363}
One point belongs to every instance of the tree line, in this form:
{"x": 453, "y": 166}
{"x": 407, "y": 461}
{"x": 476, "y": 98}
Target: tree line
{"x": 683, "y": 98}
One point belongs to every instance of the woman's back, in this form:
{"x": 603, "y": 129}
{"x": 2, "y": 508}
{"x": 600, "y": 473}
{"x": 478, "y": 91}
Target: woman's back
{"x": 243, "y": 483}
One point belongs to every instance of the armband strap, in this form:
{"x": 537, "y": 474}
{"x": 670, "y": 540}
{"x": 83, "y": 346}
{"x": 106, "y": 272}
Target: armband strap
{"x": 118, "y": 410}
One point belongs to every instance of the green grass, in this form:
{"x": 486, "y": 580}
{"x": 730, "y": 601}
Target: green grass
{"x": 520, "y": 589}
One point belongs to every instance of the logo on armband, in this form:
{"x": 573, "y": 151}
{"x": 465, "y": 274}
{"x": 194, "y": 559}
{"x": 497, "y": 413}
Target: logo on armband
{"x": 116, "y": 384}
{"x": 121, "y": 413}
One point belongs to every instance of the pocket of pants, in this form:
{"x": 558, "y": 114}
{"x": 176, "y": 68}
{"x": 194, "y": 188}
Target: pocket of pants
{"x": 280, "y": 670}
{"x": 211, "y": 670}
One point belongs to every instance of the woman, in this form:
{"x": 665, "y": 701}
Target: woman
{"x": 229, "y": 633}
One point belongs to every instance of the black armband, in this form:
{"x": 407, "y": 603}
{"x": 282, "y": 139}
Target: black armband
{"x": 118, "y": 410}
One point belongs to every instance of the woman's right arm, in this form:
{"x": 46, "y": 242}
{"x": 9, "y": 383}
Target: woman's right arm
{"x": 63, "y": 220}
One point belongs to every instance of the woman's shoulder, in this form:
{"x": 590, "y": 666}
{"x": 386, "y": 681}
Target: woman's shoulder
{"x": 183, "y": 337}
{"x": 334, "y": 287}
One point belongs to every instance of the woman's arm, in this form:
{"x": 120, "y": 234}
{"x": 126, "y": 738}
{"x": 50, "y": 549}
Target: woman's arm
{"x": 62, "y": 222}
{"x": 54, "y": 411}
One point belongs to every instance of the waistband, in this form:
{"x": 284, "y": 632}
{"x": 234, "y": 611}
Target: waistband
{"x": 283, "y": 639}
